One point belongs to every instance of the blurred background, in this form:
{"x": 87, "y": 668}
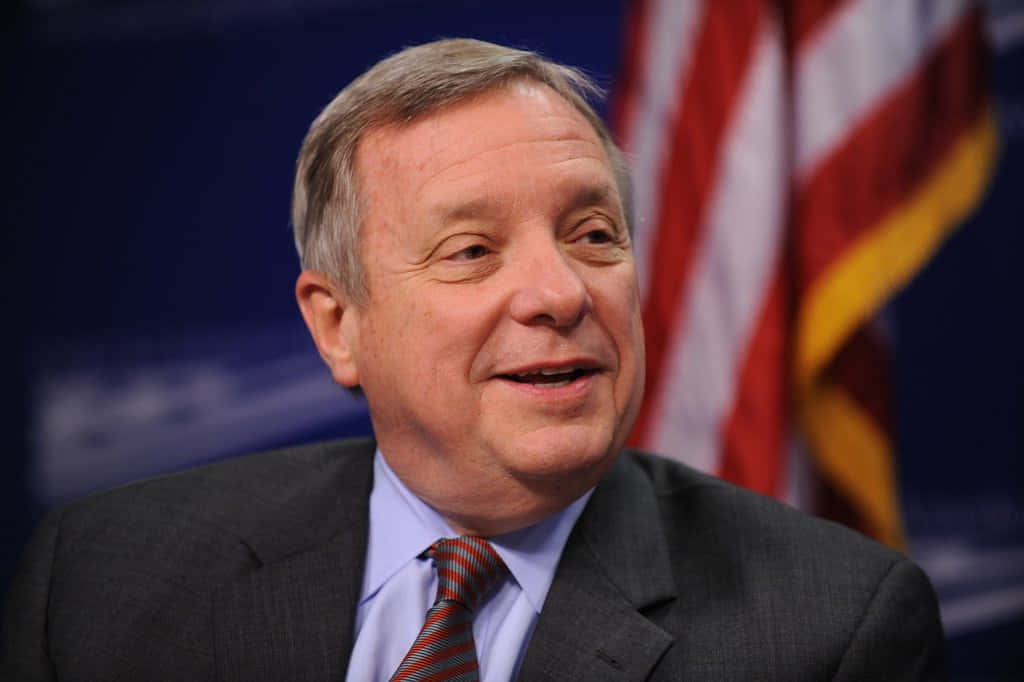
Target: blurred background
{"x": 828, "y": 227}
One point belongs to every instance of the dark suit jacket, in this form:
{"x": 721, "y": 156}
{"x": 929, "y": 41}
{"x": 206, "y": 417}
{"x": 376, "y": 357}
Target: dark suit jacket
{"x": 250, "y": 569}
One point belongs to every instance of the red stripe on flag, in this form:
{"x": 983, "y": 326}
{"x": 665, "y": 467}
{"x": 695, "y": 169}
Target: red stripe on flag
{"x": 722, "y": 55}
{"x": 862, "y": 368}
{"x": 830, "y": 504}
{"x": 886, "y": 157}
{"x": 804, "y": 19}
{"x": 754, "y": 433}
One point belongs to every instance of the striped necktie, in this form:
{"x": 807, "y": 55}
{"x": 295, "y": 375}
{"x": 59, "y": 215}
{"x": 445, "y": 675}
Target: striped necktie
{"x": 467, "y": 568}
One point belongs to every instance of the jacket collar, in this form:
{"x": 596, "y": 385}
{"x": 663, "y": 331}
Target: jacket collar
{"x": 293, "y": 616}
{"x": 614, "y": 568}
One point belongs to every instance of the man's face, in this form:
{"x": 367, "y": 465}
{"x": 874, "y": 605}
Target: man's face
{"x": 500, "y": 348}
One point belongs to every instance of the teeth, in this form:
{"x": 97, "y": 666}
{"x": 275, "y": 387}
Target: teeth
{"x": 547, "y": 372}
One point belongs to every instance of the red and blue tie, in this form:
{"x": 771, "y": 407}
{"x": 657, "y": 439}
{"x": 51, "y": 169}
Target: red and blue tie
{"x": 467, "y": 569}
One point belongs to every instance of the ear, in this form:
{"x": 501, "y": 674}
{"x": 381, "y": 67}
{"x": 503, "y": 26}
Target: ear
{"x": 330, "y": 317}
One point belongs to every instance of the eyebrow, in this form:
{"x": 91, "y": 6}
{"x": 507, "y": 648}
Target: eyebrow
{"x": 598, "y": 194}
{"x": 603, "y": 194}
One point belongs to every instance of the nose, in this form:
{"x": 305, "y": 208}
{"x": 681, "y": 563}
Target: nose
{"x": 548, "y": 289}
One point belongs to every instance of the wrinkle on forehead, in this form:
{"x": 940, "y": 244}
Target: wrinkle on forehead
{"x": 487, "y": 206}
{"x": 460, "y": 163}
{"x": 558, "y": 150}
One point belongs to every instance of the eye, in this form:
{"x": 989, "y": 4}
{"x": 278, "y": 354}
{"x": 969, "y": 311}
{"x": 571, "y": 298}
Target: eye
{"x": 598, "y": 237}
{"x": 596, "y": 230}
{"x": 473, "y": 252}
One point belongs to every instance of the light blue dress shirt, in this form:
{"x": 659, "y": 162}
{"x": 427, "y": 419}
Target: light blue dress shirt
{"x": 399, "y": 587}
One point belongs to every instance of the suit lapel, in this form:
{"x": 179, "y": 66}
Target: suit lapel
{"x": 293, "y": 616}
{"x": 614, "y": 567}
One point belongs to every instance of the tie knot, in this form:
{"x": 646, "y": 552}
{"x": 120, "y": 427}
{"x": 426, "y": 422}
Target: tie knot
{"x": 467, "y": 568}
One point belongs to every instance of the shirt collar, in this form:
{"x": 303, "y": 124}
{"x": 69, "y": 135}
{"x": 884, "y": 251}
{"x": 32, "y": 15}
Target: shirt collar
{"x": 402, "y": 526}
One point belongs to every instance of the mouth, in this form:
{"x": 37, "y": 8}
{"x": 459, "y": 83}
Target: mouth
{"x": 554, "y": 377}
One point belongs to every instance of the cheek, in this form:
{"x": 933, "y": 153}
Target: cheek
{"x": 391, "y": 334}
{"x": 442, "y": 337}
{"x": 463, "y": 320}
{"x": 625, "y": 326}
{"x": 619, "y": 301}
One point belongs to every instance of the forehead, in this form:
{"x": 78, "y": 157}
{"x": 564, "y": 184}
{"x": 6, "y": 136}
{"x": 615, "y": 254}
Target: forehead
{"x": 474, "y": 149}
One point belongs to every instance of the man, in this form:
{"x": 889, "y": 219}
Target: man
{"x": 463, "y": 222}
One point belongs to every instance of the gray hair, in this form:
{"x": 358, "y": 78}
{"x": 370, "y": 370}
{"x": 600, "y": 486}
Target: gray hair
{"x": 326, "y": 206}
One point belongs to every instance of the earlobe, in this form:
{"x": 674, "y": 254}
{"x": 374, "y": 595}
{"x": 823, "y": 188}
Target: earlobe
{"x": 329, "y": 315}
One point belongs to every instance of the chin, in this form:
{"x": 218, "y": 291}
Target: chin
{"x": 573, "y": 454}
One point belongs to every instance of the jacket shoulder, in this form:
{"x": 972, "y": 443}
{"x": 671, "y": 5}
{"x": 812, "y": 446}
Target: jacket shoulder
{"x": 684, "y": 491}
{"x": 230, "y": 495}
{"x": 760, "y": 581}
{"x": 127, "y": 577}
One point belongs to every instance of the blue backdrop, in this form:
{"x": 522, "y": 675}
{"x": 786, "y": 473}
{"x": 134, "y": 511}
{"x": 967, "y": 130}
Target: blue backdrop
{"x": 149, "y": 267}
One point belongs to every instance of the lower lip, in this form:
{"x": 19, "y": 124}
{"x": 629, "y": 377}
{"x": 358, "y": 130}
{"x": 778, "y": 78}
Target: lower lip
{"x": 569, "y": 391}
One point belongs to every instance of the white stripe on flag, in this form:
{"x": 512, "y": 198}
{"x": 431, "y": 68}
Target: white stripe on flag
{"x": 733, "y": 270}
{"x": 863, "y": 53}
{"x": 670, "y": 33}
{"x": 799, "y": 481}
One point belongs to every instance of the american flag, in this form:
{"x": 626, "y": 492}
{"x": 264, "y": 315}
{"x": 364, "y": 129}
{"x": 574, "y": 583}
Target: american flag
{"x": 796, "y": 163}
